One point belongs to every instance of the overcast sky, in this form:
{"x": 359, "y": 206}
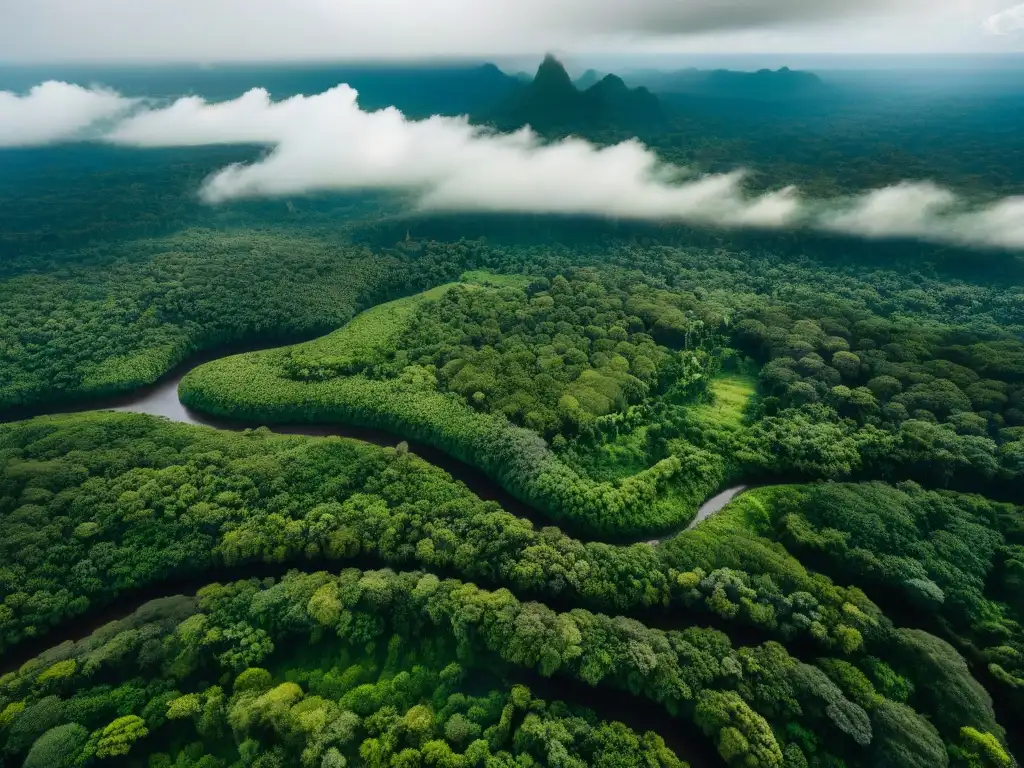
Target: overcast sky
{"x": 221, "y": 30}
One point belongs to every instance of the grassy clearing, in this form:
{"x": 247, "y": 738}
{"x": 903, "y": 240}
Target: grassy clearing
{"x": 616, "y": 460}
{"x": 731, "y": 393}
{"x": 369, "y": 333}
{"x": 482, "y": 277}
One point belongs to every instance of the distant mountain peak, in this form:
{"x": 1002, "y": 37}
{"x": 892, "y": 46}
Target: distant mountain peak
{"x": 589, "y": 79}
{"x": 612, "y": 84}
{"x": 551, "y": 99}
{"x": 551, "y": 74}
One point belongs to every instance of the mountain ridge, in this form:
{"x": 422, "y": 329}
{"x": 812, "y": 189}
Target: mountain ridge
{"x": 763, "y": 84}
{"x": 552, "y": 100}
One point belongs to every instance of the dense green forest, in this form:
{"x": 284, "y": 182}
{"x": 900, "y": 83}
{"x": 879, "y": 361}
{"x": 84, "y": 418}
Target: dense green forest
{"x": 183, "y": 683}
{"x": 178, "y": 596}
{"x": 129, "y": 501}
{"x": 618, "y": 375}
{"x": 613, "y": 398}
{"x": 112, "y": 318}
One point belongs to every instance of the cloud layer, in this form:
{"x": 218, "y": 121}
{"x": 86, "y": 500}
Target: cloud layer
{"x": 55, "y": 111}
{"x": 326, "y": 142}
{"x": 924, "y": 211}
{"x": 223, "y": 30}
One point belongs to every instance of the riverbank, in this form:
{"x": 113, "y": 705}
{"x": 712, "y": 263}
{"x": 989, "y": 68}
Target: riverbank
{"x": 161, "y": 399}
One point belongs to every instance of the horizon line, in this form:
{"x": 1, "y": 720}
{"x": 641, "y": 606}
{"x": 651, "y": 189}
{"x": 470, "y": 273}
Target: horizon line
{"x": 492, "y": 57}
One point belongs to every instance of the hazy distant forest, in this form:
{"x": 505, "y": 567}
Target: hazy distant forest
{"x": 509, "y": 571}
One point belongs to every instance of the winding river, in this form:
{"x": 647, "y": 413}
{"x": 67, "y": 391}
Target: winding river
{"x": 161, "y": 399}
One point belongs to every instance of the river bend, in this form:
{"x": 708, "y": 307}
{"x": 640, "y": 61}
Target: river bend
{"x": 161, "y": 399}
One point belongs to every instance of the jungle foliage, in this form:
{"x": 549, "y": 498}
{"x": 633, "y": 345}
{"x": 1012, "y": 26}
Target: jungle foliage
{"x": 128, "y": 501}
{"x": 397, "y": 656}
{"x": 183, "y": 683}
{"x": 864, "y": 609}
{"x": 588, "y": 395}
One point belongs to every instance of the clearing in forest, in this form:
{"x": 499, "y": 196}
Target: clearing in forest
{"x": 731, "y": 393}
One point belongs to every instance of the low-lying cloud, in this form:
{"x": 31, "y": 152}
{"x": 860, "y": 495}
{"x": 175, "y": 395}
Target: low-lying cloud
{"x": 55, "y": 111}
{"x": 326, "y": 142}
{"x": 924, "y": 211}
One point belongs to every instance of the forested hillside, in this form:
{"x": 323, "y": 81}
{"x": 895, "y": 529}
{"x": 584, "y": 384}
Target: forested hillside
{"x": 194, "y": 687}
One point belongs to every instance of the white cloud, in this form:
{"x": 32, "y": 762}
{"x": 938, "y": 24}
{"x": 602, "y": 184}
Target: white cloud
{"x": 54, "y": 111}
{"x": 924, "y": 211}
{"x": 252, "y": 118}
{"x": 1008, "y": 22}
{"x": 327, "y": 142}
